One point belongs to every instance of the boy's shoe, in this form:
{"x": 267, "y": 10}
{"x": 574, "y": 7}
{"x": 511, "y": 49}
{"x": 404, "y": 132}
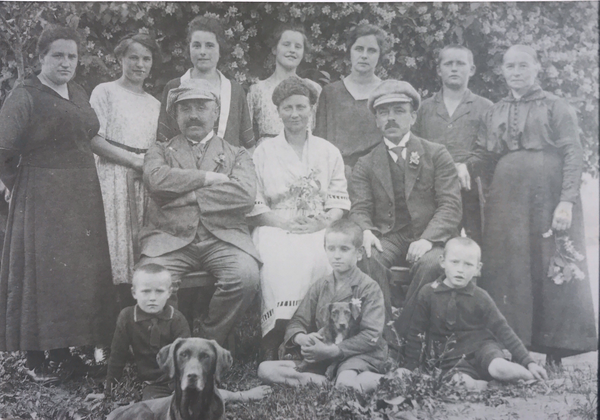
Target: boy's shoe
{"x": 42, "y": 376}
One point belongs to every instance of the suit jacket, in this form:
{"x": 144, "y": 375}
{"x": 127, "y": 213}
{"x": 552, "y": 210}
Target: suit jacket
{"x": 431, "y": 188}
{"x": 180, "y": 199}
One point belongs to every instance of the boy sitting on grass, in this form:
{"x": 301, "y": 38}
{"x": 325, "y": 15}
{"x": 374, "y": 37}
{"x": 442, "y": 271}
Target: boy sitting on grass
{"x": 454, "y": 307}
{"x": 146, "y": 328}
{"x": 357, "y": 358}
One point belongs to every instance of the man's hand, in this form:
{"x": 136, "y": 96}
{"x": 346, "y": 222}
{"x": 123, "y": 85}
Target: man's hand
{"x": 417, "y": 249}
{"x": 563, "y": 216}
{"x": 369, "y": 240}
{"x": 215, "y": 178}
{"x": 537, "y": 371}
{"x": 463, "y": 176}
{"x": 319, "y": 351}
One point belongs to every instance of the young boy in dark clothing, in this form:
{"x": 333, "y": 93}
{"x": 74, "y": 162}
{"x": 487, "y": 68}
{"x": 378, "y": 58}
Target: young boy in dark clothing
{"x": 147, "y": 327}
{"x": 453, "y": 306}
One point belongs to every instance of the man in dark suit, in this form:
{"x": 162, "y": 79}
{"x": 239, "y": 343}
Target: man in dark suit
{"x": 405, "y": 195}
{"x": 201, "y": 187}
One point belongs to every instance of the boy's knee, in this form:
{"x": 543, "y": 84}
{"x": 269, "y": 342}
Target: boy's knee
{"x": 346, "y": 378}
{"x": 265, "y": 371}
{"x": 496, "y": 368}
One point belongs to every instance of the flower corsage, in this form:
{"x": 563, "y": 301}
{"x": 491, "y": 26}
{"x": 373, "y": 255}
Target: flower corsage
{"x": 563, "y": 264}
{"x": 220, "y": 161}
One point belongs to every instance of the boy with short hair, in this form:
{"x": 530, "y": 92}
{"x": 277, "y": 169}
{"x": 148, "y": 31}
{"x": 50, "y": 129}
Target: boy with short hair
{"x": 146, "y": 328}
{"x": 357, "y": 358}
{"x": 454, "y": 307}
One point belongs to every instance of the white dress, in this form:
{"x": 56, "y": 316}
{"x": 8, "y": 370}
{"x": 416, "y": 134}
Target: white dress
{"x": 291, "y": 187}
{"x": 263, "y": 111}
{"x": 130, "y": 119}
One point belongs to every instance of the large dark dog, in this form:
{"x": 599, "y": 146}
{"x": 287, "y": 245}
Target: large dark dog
{"x": 196, "y": 366}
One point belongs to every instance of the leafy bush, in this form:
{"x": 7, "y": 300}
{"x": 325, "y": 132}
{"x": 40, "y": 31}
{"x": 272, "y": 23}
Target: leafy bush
{"x": 564, "y": 33}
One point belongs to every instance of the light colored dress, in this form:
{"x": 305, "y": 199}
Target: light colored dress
{"x": 130, "y": 119}
{"x": 290, "y": 186}
{"x": 263, "y": 111}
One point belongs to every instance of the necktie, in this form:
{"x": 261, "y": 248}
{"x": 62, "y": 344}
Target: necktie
{"x": 198, "y": 150}
{"x": 154, "y": 333}
{"x": 451, "y": 311}
{"x": 398, "y": 151}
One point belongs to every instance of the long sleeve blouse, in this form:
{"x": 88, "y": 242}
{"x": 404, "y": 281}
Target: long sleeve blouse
{"x": 538, "y": 120}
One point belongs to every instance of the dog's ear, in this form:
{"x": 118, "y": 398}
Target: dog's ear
{"x": 355, "y": 310}
{"x": 223, "y": 362}
{"x": 166, "y": 357}
{"x": 328, "y": 313}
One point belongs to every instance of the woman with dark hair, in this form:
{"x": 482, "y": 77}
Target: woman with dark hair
{"x": 288, "y": 44}
{"x": 55, "y": 279}
{"x": 206, "y": 41}
{"x": 301, "y": 188}
{"x": 533, "y": 244}
{"x": 128, "y": 121}
{"x": 342, "y": 115}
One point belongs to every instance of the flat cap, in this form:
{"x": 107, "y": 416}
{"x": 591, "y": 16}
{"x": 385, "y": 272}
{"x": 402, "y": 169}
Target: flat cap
{"x": 390, "y": 91}
{"x": 191, "y": 89}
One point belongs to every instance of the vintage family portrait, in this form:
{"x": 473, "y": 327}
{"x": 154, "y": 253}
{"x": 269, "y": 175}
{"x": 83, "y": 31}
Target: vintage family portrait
{"x": 302, "y": 210}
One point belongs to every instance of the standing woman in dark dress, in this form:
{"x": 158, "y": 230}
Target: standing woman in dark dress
{"x": 56, "y": 290}
{"x": 342, "y": 114}
{"x": 534, "y": 197}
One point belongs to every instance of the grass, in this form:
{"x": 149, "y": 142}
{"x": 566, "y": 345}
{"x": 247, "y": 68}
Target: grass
{"x": 418, "y": 397}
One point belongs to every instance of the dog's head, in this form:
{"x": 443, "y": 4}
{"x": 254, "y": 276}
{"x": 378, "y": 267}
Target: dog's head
{"x": 193, "y": 361}
{"x": 342, "y": 315}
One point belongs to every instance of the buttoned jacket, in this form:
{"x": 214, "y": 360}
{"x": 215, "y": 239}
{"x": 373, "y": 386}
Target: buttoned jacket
{"x": 431, "y": 189}
{"x": 181, "y": 199}
{"x": 457, "y": 132}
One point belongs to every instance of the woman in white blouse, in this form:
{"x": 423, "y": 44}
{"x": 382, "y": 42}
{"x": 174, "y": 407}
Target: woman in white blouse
{"x": 301, "y": 189}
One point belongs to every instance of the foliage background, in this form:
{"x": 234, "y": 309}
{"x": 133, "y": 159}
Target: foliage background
{"x": 564, "y": 33}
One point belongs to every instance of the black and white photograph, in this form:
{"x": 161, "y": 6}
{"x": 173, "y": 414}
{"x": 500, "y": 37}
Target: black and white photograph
{"x": 299, "y": 210}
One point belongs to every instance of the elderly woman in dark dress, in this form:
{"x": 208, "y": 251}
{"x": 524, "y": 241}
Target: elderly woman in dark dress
{"x": 534, "y": 197}
{"x": 342, "y": 114}
{"x": 207, "y": 43}
{"x": 55, "y": 281}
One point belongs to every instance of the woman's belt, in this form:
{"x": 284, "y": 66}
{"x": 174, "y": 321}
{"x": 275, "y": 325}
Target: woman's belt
{"x": 128, "y": 148}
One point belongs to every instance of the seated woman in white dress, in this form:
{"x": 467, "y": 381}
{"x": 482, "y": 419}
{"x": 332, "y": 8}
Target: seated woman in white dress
{"x": 301, "y": 189}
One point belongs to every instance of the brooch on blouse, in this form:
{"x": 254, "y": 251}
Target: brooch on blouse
{"x": 414, "y": 159}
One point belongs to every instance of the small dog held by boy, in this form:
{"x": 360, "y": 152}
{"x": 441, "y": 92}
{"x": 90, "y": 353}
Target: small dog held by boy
{"x": 343, "y": 321}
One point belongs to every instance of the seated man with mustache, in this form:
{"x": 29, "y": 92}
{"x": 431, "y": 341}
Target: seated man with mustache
{"x": 405, "y": 195}
{"x": 201, "y": 188}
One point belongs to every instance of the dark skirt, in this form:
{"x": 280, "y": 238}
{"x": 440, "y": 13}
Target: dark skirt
{"x": 548, "y": 317}
{"x": 56, "y": 289}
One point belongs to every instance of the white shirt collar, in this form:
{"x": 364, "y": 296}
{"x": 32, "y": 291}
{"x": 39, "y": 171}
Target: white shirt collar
{"x": 390, "y": 145}
{"x": 205, "y": 139}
